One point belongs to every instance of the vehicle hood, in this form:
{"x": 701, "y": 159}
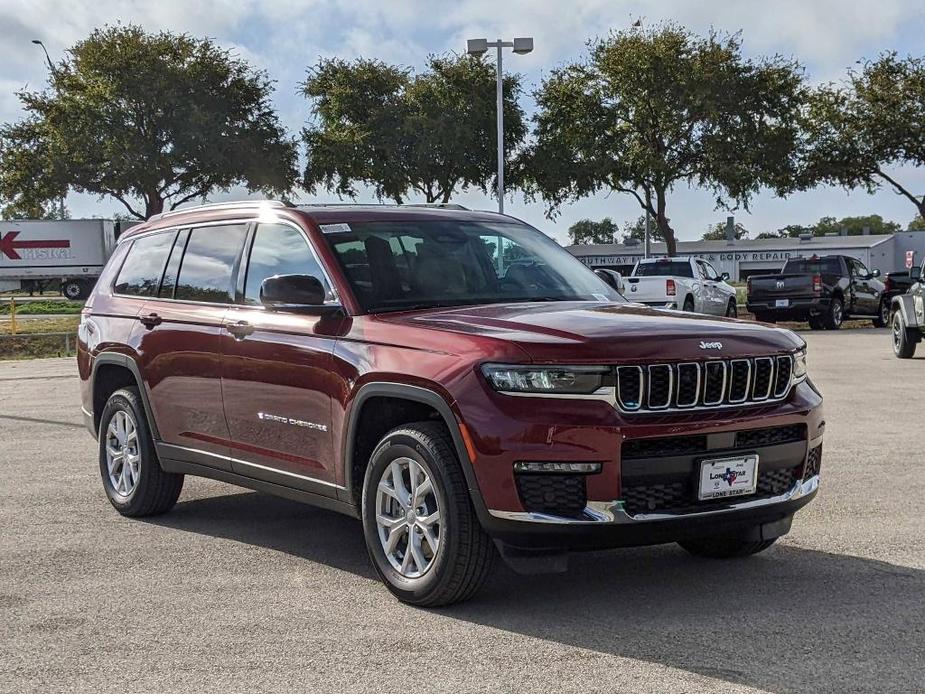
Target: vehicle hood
{"x": 591, "y": 332}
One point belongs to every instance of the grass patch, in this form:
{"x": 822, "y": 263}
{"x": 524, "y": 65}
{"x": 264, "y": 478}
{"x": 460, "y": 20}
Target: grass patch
{"x": 41, "y": 308}
{"x": 31, "y": 346}
{"x": 30, "y": 326}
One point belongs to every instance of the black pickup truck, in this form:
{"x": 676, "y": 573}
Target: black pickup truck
{"x": 908, "y": 316}
{"x": 823, "y": 291}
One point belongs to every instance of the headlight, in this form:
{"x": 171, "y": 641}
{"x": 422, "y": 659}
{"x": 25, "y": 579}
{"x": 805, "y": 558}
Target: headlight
{"x": 799, "y": 366}
{"x": 559, "y": 380}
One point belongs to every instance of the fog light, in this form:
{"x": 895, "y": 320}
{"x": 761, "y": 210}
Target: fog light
{"x": 574, "y": 468}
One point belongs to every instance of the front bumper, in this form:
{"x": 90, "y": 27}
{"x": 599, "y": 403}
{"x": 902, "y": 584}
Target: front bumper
{"x": 609, "y": 525}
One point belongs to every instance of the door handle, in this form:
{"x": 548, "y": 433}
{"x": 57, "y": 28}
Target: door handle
{"x": 151, "y": 320}
{"x": 240, "y": 330}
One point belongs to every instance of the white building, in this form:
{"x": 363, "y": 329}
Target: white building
{"x": 742, "y": 258}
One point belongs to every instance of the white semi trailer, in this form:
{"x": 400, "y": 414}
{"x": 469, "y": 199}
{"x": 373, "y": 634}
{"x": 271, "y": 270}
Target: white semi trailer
{"x": 63, "y": 254}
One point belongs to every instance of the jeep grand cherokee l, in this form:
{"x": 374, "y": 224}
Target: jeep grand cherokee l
{"x": 454, "y": 379}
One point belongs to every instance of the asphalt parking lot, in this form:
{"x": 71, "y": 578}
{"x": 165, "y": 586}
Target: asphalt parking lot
{"x": 237, "y": 592}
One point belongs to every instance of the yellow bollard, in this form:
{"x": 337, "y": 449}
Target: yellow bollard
{"x": 12, "y": 315}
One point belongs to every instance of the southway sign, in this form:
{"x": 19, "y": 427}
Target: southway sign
{"x": 33, "y": 250}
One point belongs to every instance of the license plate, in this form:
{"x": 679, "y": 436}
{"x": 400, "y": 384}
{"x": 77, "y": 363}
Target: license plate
{"x": 782, "y": 303}
{"x": 724, "y": 477}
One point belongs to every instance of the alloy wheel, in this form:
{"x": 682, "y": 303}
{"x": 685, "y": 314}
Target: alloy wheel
{"x": 123, "y": 456}
{"x": 408, "y": 517}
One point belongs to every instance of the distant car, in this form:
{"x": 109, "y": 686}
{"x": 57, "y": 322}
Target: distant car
{"x": 908, "y": 316}
{"x": 823, "y": 291}
{"x": 689, "y": 284}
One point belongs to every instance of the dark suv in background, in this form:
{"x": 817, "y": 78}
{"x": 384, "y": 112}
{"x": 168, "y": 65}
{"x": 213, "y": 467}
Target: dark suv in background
{"x": 455, "y": 379}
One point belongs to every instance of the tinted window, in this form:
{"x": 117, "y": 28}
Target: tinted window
{"x": 173, "y": 265}
{"x": 209, "y": 262}
{"x": 813, "y": 266}
{"x": 279, "y": 250}
{"x": 141, "y": 272}
{"x": 402, "y": 265}
{"x": 676, "y": 268}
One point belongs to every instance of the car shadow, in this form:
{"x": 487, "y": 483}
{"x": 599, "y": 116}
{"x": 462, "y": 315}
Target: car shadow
{"x": 787, "y": 620}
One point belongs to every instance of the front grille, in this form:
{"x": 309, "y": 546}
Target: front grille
{"x": 813, "y": 462}
{"x": 714, "y": 383}
{"x": 635, "y": 449}
{"x": 681, "y": 496}
{"x": 559, "y": 495}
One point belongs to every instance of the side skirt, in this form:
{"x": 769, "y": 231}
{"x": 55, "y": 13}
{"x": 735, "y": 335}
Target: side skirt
{"x": 319, "y": 500}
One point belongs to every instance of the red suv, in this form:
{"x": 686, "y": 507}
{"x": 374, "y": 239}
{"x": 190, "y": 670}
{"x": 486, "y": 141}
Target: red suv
{"x": 455, "y": 379}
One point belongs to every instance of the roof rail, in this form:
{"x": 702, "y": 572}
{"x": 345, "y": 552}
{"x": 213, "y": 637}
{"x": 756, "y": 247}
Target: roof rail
{"x": 247, "y": 204}
{"x": 443, "y": 205}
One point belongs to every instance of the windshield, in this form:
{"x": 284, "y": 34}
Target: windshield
{"x": 813, "y": 266}
{"x": 677, "y": 268}
{"x": 393, "y": 266}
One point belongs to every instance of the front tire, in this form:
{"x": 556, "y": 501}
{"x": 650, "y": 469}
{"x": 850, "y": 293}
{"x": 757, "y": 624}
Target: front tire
{"x": 421, "y": 531}
{"x": 903, "y": 345}
{"x": 725, "y": 548}
{"x": 133, "y": 479}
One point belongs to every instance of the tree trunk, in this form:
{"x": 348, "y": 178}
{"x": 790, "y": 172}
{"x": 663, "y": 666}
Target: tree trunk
{"x": 154, "y": 204}
{"x": 662, "y": 222}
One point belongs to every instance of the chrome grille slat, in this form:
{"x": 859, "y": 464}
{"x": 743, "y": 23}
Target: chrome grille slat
{"x": 707, "y": 384}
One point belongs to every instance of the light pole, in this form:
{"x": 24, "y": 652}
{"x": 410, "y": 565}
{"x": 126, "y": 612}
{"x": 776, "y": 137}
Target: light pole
{"x": 51, "y": 69}
{"x": 480, "y": 47}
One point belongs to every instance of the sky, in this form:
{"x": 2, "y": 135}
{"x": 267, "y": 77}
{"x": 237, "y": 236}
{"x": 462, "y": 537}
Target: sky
{"x": 283, "y": 37}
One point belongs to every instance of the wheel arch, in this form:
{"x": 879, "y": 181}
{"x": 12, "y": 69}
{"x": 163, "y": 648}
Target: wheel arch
{"x": 902, "y": 303}
{"x": 111, "y": 371}
{"x": 418, "y": 397}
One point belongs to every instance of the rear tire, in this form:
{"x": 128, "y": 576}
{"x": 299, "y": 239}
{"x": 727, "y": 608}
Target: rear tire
{"x": 464, "y": 555}
{"x": 725, "y": 548}
{"x": 815, "y": 323}
{"x": 133, "y": 479}
{"x": 903, "y": 343}
{"x": 835, "y": 315}
{"x": 883, "y": 316}
{"x": 688, "y": 305}
{"x": 732, "y": 310}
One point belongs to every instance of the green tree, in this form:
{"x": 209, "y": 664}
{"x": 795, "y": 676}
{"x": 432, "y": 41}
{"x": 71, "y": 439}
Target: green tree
{"x": 917, "y": 224}
{"x": 431, "y": 134}
{"x": 771, "y": 235}
{"x": 717, "y": 232}
{"x": 854, "y": 225}
{"x": 157, "y": 118}
{"x": 637, "y": 230}
{"x": 652, "y": 109}
{"x": 858, "y": 131}
{"x": 586, "y": 231}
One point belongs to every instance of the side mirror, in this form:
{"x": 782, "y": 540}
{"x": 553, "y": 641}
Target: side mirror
{"x": 303, "y": 293}
{"x": 875, "y": 273}
{"x": 724, "y": 277}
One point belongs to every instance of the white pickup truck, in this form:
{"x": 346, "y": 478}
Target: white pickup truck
{"x": 689, "y": 284}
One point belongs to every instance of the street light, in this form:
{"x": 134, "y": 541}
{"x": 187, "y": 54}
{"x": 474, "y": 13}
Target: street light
{"x": 480, "y": 47}
{"x": 51, "y": 68}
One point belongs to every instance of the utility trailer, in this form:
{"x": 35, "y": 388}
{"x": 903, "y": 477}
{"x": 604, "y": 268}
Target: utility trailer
{"x": 64, "y": 254}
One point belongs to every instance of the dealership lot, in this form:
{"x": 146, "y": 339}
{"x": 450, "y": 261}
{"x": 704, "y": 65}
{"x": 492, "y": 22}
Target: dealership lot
{"x": 236, "y": 591}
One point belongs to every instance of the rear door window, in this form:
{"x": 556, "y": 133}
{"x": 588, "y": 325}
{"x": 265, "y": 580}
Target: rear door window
{"x": 209, "y": 263}
{"x": 813, "y": 266}
{"x": 141, "y": 272}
